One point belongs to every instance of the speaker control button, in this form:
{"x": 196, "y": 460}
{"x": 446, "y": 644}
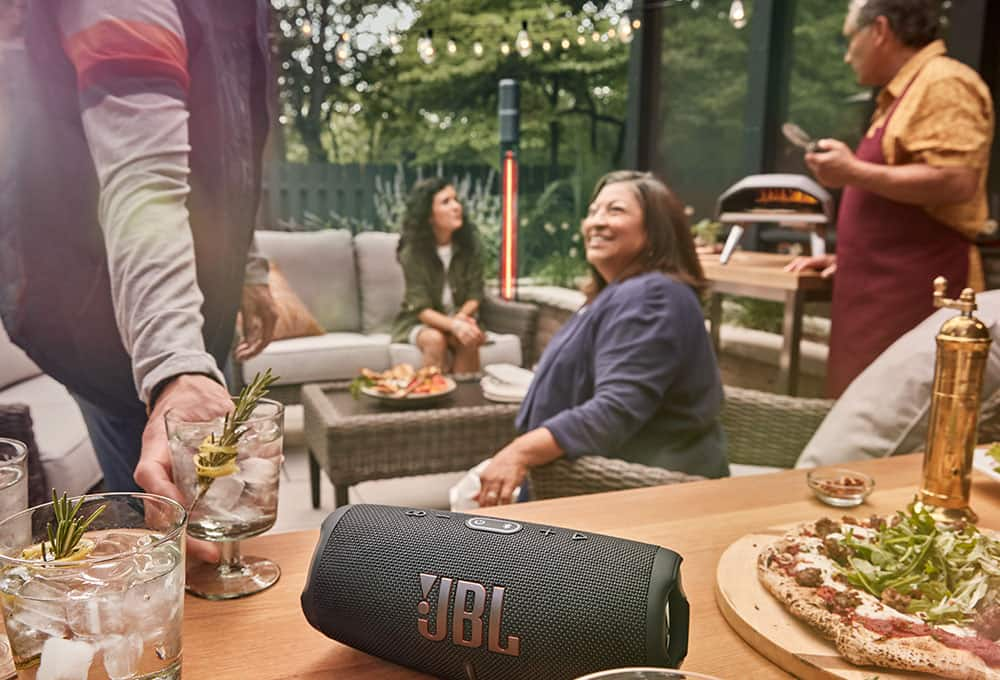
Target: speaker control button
{"x": 546, "y": 531}
{"x": 577, "y": 536}
{"x": 492, "y": 525}
{"x": 415, "y": 513}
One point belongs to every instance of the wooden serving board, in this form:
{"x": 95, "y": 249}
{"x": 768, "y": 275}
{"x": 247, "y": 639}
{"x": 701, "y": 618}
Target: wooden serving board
{"x": 767, "y": 627}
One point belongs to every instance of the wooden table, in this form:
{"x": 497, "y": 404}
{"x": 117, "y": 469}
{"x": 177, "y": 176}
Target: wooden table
{"x": 762, "y": 275}
{"x": 266, "y": 637}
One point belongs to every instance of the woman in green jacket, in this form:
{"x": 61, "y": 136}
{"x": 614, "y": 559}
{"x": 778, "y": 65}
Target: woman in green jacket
{"x": 439, "y": 252}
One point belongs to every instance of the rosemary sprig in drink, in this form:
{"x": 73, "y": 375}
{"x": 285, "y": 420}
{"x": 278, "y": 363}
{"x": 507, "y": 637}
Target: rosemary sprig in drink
{"x": 217, "y": 457}
{"x": 64, "y": 539}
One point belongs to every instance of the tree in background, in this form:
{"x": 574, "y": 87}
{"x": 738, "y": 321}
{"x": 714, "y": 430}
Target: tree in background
{"x": 381, "y": 103}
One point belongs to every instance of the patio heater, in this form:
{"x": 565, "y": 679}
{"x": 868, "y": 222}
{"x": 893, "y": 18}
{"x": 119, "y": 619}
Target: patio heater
{"x": 788, "y": 200}
{"x": 509, "y": 109}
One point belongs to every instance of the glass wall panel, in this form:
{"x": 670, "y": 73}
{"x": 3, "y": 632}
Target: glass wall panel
{"x": 704, "y": 88}
{"x": 824, "y": 97}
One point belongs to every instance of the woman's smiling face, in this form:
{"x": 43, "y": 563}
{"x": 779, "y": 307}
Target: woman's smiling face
{"x": 614, "y": 233}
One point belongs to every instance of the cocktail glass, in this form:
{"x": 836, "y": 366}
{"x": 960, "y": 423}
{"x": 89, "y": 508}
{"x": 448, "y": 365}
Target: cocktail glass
{"x": 13, "y": 477}
{"x": 112, "y": 614}
{"x": 235, "y": 506}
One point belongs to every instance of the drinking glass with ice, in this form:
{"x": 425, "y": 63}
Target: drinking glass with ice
{"x": 13, "y": 477}
{"x": 112, "y": 610}
{"x": 239, "y": 504}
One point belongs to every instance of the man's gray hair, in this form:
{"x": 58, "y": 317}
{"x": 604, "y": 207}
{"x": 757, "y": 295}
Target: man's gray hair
{"x": 915, "y": 22}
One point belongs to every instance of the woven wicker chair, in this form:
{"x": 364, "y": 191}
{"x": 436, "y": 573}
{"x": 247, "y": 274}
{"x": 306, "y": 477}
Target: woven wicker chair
{"x": 769, "y": 429}
{"x": 761, "y": 429}
{"x": 593, "y": 474}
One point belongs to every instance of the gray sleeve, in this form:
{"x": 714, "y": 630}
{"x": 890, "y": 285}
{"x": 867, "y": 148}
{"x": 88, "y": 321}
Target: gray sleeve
{"x": 139, "y": 142}
{"x": 257, "y": 266}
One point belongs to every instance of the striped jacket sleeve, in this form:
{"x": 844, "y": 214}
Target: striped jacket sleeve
{"x": 131, "y": 63}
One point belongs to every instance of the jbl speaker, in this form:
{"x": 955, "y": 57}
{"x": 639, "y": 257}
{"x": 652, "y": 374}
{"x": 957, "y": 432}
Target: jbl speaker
{"x": 479, "y": 598}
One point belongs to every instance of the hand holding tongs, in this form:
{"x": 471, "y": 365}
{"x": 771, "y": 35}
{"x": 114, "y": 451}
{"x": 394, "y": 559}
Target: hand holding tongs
{"x": 797, "y": 136}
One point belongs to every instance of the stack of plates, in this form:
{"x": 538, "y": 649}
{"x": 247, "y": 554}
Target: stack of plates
{"x": 506, "y": 383}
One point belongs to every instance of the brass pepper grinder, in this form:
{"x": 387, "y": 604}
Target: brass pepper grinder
{"x": 963, "y": 344}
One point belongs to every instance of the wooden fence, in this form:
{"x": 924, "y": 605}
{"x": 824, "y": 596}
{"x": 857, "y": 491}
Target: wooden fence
{"x": 291, "y": 190}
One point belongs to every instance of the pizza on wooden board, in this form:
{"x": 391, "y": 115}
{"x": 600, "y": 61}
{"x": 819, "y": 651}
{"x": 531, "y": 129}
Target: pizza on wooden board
{"x": 904, "y": 592}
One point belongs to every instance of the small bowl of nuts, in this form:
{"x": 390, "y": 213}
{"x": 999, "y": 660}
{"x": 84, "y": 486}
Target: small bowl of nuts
{"x": 839, "y": 487}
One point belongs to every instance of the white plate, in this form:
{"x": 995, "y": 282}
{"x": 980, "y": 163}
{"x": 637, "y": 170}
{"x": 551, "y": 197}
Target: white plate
{"x": 410, "y": 399}
{"x": 494, "y": 390}
{"x": 509, "y": 374}
{"x": 985, "y": 464}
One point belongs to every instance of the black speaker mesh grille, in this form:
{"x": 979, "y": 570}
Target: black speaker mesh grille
{"x": 577, "y": 605}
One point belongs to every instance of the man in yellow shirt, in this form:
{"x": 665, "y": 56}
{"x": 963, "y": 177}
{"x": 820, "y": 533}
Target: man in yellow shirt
{"x": 914, "y": 189}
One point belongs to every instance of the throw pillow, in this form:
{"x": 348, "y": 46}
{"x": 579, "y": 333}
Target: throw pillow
{"x": 884, "y": 411}
{"x": 294, "y": 319}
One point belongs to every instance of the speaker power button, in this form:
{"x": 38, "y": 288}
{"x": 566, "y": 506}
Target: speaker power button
{"x": 493, "y": 525}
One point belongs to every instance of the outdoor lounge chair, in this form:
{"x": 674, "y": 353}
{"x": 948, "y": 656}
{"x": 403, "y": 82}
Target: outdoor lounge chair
{"x": 762, "y": 429}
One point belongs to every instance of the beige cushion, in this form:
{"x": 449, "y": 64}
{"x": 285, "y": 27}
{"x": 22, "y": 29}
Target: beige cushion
{"x": 319, "y": 265}
{"x": 504, "y": 348}
{"x": 15, "y": 365}
{"x": 334, "y": 356}
{"x": 294, "y": 319}
{"x": 884, "y": 411}
{"x": 63, "y": 443}
{"x": 382, "y": 282}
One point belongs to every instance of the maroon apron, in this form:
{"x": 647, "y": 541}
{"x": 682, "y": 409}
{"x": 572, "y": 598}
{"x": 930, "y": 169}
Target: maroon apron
{"x": 888, "y": 254}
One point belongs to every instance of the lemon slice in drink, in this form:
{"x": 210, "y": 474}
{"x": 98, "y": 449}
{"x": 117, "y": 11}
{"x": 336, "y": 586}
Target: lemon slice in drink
{"x": 83, "y": 549}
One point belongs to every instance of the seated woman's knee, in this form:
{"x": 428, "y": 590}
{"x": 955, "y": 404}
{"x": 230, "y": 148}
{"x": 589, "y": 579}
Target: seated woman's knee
{"x": 432, "y": 339}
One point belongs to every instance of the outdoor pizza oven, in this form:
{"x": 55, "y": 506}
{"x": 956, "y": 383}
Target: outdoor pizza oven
{"x": 787, "y": 200}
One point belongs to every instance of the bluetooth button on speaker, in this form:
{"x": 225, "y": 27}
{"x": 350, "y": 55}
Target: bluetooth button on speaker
{"x": 496, "y": 526}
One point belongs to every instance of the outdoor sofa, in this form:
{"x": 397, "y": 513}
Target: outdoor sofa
{"x": 38, "y": 411}
{"x": 353, "y": 286}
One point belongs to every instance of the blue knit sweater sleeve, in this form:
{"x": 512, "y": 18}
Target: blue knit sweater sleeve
{"x": 639, "y": 345}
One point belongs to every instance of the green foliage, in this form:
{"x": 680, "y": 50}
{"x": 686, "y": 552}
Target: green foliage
{"x": 386, "y": 105}
{"x": 561, "y": 270}
{"x": 762, "y": 315}
{"x": 706, "y": 232}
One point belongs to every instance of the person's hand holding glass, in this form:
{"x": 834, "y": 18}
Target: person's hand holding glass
{"x": 228, "y": 471}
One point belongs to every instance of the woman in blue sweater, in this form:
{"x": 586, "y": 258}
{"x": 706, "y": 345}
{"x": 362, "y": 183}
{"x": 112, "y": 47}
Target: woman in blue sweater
{"x": 632, "y": 374}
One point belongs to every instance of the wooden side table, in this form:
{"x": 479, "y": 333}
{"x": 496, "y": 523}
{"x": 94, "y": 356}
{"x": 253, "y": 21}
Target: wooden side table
{"x": 762, "y": 276}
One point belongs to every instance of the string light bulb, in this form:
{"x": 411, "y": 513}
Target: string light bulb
{"x": 737, "y": 14}
{"x": 595, "y": 36}
{"x": 342, "y": 53}
{"x": 477, "y": 48}
{"x": 504, "y": 47}
{"x": 636, "y": 24}
{"x": 452, "y": 46}
{"x": 625, "y": 32}
{"x": 523, "y": 40}
{"x": 425, "y": 48}
{"x": 565, "y": 43}
{"x": 307, "y": 29}
{"x": 546, "y": 45}
{"x": 581, "y": 41}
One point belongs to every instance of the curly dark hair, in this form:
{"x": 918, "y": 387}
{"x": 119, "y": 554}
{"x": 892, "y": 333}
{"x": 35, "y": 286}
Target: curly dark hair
{"x": 915, "y": 22}
{"x": 417, "y": 232}
{"x": 671, "y": 246}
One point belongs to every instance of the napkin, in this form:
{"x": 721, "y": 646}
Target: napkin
{"x": 506, "y": 383}
{"x": 462, "y": 496}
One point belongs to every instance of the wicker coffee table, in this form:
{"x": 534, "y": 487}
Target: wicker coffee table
{"x": 359, "y": 440}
